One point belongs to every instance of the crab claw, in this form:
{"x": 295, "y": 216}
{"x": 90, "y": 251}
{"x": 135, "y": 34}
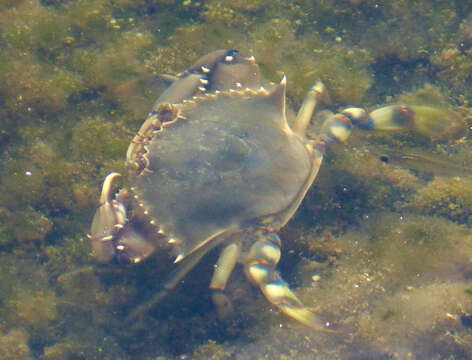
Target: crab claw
{"x": 434, "y": 122}
{"x": 279, "y": 294}
{"x": 260, "y": 269}
{"x": 108, "y": 220}
{"x": 393, "y": 117}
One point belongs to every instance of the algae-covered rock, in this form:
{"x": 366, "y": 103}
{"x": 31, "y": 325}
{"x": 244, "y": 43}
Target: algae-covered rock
{"x": 33, "y": 309}
{"x": 95, "y": 140}
{"x": 23, "y": 225}
{"x": 397, "y": 275}
{"x": 456, "y": 68}
{"x": 448, "y": 197}
{"x": 304, "y": 61}
{"x": 211, "y": 351}
{"x": 84, "y": 348}
{"x": 62, "y": 351}
{"x": 419, "y": 311}
{"x": 29, "y": 225}
{"x": 14, "y": 346}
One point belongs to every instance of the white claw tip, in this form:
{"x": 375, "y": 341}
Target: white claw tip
{"x": 178, "y": 258}
{"x": 106, "y": 188}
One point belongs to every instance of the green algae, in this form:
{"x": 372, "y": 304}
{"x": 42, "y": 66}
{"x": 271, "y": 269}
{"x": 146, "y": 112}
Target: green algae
{"x": 69, "y": 107}
{"x": 14, "y": 345}
{"x": 384, "y": 281}
{"x": 211, "y": 351}
{"x": 451, "y": 198}
{"x": 95, "y": 136}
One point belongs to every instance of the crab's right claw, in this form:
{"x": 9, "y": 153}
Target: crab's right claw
{"x": 108, "y": 220}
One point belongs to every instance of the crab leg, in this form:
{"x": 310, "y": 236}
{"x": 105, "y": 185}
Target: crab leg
{"x": 316, "y": 94}
{"x": 183, "y": 268}
{"x": 260, "y": 269}
{"x": 225, "y": 265}
{"x": 184, "y": 265}
{"x": 223, "y": 269}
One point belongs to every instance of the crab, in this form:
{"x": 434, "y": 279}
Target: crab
{"x": 221, "y": 162}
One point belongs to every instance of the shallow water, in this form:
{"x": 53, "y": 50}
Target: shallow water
{"x": 381, "y": 249}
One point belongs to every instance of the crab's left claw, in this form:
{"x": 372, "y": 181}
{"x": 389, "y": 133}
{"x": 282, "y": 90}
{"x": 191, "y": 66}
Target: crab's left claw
{"x": 108, "y": 220}
{"x": 260, "y": 269}
{"x": 434, "y": 122}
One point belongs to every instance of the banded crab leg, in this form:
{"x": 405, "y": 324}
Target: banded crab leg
{"x": 338, "y": 127}
{"x": 260, "y": 269}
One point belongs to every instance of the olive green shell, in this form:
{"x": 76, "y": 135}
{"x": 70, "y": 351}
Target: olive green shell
{"x": 229, "y": 161}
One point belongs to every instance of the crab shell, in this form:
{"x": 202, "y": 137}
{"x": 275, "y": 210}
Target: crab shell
{"x": 222, "y": 161}
{"x": 228, "y": 161}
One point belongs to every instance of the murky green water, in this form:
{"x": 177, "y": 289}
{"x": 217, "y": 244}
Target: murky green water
{"x": 381, "y": 246}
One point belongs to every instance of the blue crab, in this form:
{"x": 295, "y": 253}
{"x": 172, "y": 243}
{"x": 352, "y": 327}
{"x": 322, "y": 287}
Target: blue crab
{"x": 220, "y": 161}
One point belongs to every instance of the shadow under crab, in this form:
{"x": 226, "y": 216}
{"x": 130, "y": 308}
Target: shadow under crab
{"x": 220, "y": 161}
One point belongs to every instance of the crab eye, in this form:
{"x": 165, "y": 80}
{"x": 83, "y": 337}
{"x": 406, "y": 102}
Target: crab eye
{"x": 230, "y": 56}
